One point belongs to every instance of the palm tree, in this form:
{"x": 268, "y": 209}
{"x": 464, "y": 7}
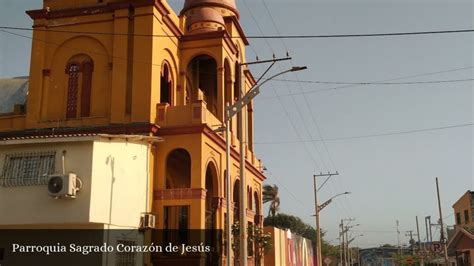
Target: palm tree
{"x": 270, "y": 194}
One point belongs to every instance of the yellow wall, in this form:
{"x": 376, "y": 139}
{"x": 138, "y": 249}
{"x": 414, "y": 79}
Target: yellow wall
{"x": 126, "y": 89}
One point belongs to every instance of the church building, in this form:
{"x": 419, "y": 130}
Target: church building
{"x": 117, "y": 125}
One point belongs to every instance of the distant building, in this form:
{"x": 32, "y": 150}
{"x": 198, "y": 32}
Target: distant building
{"x": 464, "y": 210}
{"x": 461, "y": 243}
{"x": 381, "y": 256}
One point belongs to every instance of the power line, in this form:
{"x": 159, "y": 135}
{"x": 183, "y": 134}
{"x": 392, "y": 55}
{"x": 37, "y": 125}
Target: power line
{"x": 370, "y": 136}
{"x": 375, "y": 83}
{"x": 385, "y": 80}
{"x": 285, "y": 188}
{"x": 306, "y": 102}
{"x": 283, "y": 106}
{"x": 311, "y": 36}
{"x": 263, "y": 98}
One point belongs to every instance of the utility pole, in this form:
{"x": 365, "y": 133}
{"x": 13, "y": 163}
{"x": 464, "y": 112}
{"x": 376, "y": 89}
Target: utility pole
{"x": 398, "y": 240}
{"x": 243, "y": 180}
{"x": 350, "y": 254}
{"x": 319, "y": 261}
{"x": 427, "y": 232}
{"x": 349, "y": 241}
{"x": 342, "y": 247}
{"x": 431, "y": 233}
{"x": 236, "y": 109}
{"x": 347, "y": 245}
{"x": 345, "y": 239}
{"x": 412, "y": 241}
{"x": 422, "y": 263}
{"x": 443, "y": 239}
{"x": 318, "y": 230}
{"x": 228, "y": 229}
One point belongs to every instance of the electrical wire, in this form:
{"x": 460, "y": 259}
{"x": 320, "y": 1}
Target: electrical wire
{"x": 355, "y": 85}
{"x": 300, "y": 203}
{"x": 375, "y": 83}
{"x": 370, "y": 135}
{"x": 283, "y": 106}
{"x": 309, "y": 36}
{"x": 312, "y": 116}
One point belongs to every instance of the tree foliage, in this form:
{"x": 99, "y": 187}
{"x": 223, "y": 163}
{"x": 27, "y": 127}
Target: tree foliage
{"x": 270, "y": 194}
{"x": 257, "y": 240}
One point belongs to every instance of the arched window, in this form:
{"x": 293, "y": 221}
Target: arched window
{"x": 249, "y": 198}
{"x": 202, "y": 71}
{"x": 165, "y": 84}
{"x": 178, "y": 169}
{"x": 72, "y": 90}
{"x": 237, "y": 96}
{"x": 79, "y": 70}
{"x": 236, "y": 199}
{"x": 237, "y": 81}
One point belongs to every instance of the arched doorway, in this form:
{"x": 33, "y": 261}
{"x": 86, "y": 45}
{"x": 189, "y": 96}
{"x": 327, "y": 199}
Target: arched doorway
{"x": 212, "y": 237}
{"x": 236, "y": 200}
{"x": 177, "y": 175}
{"x": 256, "y": 207}
{"x": 211, "y": 187}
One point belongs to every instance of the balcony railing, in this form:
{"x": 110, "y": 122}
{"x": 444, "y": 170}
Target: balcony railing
{"x": 195, "y": 113}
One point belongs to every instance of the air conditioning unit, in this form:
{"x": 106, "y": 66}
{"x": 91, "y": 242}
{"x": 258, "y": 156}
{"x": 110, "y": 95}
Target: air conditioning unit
{"x": 147, "y": 220}
{"x": 64, "y": 185}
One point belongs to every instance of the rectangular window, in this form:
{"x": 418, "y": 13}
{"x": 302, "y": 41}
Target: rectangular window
{"x": 458, "y": 218}
{"x": 466, "y": 216}
{"x": 125, "y": 258}
{"x": 27, "y": 169}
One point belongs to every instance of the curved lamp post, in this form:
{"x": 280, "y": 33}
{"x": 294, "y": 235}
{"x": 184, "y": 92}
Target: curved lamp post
{"x": 318, "y": 227}
{"x": 230, "y": 111}
{"x": 346, "y": 245}
{"x": 349, "y": 250}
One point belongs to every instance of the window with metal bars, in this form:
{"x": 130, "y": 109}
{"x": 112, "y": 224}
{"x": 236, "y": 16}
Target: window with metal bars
{"x": 27, "y": 168}
{"x": 79, "y": 71}
{"x": 125, "y": 258}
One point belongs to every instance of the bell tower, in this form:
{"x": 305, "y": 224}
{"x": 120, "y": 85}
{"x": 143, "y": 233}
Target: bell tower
{"x": 84, "y": 70}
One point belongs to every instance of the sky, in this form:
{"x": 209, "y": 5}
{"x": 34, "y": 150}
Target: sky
{"x": 390, "y": 176}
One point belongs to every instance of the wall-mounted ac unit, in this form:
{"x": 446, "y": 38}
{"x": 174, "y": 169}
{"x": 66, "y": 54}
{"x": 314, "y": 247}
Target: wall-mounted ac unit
{"x": 147, "y": 220}
{"x": 64, "y": 185}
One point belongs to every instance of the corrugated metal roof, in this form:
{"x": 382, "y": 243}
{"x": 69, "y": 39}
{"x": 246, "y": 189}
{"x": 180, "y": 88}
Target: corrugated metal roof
{"x": 12, "y": 91}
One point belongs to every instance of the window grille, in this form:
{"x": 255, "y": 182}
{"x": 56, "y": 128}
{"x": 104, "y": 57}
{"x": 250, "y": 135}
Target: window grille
{"x": 73, "y": 71}
{"x": 27, "y": 168}
{"x": 125, "y": 258}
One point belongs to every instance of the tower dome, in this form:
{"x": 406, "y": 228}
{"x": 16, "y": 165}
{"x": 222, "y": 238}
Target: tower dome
{"x": 204, "y": 19}
{"x": 226, "y": 7}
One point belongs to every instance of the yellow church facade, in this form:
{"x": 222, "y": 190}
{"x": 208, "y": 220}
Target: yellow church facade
{"x": 107, "y": 76}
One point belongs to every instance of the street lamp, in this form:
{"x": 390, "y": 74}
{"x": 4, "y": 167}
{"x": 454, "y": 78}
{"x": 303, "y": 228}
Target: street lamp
{"x": 230, "y": 111}
{"x": 318, "y": 227}
{"x": 349, "y": 250}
